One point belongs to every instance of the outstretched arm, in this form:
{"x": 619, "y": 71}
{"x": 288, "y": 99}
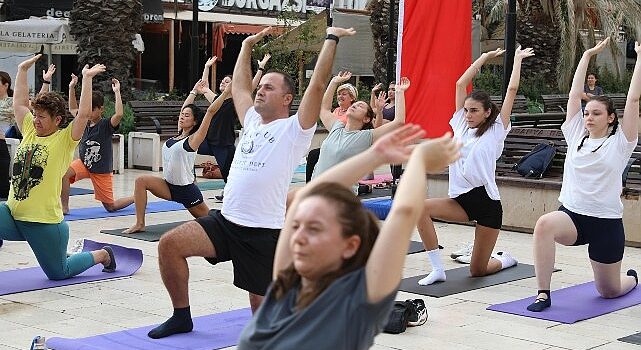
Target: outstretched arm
{"x": 310, "y": 104}
{"x": 373, "y": 94}
{"x": 84, "y": 111}
{"x": 46, "y": 78}
{"x": 326, "y": 116}
{"x": 576, "y": 91}
{"x": 119, "y": 109}
{"x": 21, "y": 91}
{"x": 470, "y": 73}
{"x": 199, "y": 136}
{"x": 200, "y": 84}
{"x": 209, "y": 95}
{"x": 384, "y": 268}
{"x": 399, "y": 110}
{"x": 242, "y": 90}
{"x": 261, "y": 70}
{"x": 379, "y": 104}
{"x": 73, "y": 102}
{"x": 513, "y": 85}
{"x": 391, "y": 149}
{"x": 630, "y": 122}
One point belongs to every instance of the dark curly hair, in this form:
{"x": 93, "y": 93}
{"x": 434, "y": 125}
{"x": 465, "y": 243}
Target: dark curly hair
{"x": 198, "y": 116}
{"x": 52, "y": 103}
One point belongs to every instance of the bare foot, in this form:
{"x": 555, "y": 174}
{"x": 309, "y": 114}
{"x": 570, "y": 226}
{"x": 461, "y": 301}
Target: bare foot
{"x": 135, "y": 228}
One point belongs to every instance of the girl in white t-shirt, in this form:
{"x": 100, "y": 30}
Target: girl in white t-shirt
{"x": 599, "y": 148}
{"x": 473, "y": 193}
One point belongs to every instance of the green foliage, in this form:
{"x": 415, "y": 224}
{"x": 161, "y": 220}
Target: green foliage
{"x": 532, "y": 87}
{"x": 611, "y": 83}
{"x": 127, "y": 122}
{"x": 488, "y": 81}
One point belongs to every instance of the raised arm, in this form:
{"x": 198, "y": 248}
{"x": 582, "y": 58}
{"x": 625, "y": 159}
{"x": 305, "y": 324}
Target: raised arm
{"x": 391, "y": 149}
{"x": 80, "y": 122}
{"x": 119, "y": 109}
{"x": 576, "y": 91}
{"x": 399, "y": 110}
{"x": 379, "y": 104}
{"x": 630, "y": 122}
{"x": 46, "y": 78}
{"x": 242, "y": 89}
{"x": 73, "y": 102}
{"x": 513, "y": 85}
{"x": 373, "y": 94}
{"x": 21, "y": 90}
{"x": 326, "y": 116}
{"x": 199, "y": 136}
{"x": 470, "y": 73}
{"x": 385, "y": 265}
{"x": 260, "y": 71}
{"x": 209, "y": 95}
{"x": 200, "y": 84}
{"x": 310, "y": 104}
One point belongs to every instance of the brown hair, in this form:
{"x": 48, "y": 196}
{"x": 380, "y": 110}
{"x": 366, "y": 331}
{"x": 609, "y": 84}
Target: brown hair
{"x": 609, "y": 105}
{"x": 372, "y": 116}
{"x": 97, "y": 99}
{"x": 52, "y": 103}
{"x": 354, "y": 220}
{"x": 484, "y": 98}
{"x": 198, "y": 117}
{"x": 6, "y": 79}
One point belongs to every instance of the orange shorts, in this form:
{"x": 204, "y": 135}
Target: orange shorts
{"x": 102, "y": 183}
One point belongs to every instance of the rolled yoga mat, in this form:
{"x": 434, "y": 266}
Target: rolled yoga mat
{"x": 152, "y": 233}
{"x": 380, "y": 206}
{"x": 215, "y": 331}
{"x": 211, "y": 185}
{"x": 572, "y": 304}
{"x": 75, "y": 191}
{"x": 101, "y": 212}
{"x": 459, "y": 281}
{"x": 128, "y": 261}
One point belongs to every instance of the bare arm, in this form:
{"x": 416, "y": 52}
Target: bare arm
{"x": 470, "y": 73}
{"x": 379, "y": 104}
{"x": 80, "y": 122}
{"x": 73, "y": 102}
{"x": 399, "y": 110}
{"x": 46, "y": 78}
{"x": 384, "y": 267}
{"x": 199, "y": 136}
{"x": 242, "y": 90}
{"x": 310, "y": 104}
{"x": 326, "y": 116}
{"x": 630, "y": 122}
{"x": 119, "y": 109}
{"x": 21, "y": 91}
{"x": 576, "y": 91}
{"x": 200, "y": 84}
{"x": 346, "y": 174}
{"x": 373, "y": 95}
{"x": 513, "y": 85}
{"x": 261, "y": 70}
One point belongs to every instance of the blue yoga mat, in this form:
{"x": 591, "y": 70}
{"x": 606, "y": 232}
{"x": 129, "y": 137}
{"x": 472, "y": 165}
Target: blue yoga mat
{"x": 101, "y": 212}
{"x": 128, "y": 261}
{"x": 74, "y": 191}
{"x": 210, "y": 332}
{"x": 380, "y": 207}
{"x": 301, "y": 169}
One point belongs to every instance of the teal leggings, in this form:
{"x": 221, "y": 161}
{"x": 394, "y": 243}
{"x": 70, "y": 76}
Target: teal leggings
{"x": 49, "y": 244}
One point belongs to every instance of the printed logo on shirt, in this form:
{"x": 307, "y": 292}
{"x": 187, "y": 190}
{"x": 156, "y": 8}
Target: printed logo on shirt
{"x": 28, "y": 169}
{"x": 250, "y": 144}
{"x": 92, "y": 153}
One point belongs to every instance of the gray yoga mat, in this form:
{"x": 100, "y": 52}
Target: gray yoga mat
{"x": 632, "y": 339}
{"x": 415, "y": 247}
{"x": 152, "y": 232}
{"x": 459, "y": 281}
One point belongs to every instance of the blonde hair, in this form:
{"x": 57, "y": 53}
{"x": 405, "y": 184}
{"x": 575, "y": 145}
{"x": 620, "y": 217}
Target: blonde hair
{"x": 349, "y": 87}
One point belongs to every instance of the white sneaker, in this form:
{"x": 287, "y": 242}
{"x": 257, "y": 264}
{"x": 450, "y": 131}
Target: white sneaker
{"x": 464, "y": 259}
{"x": 506, "y": 259}
{"x": 38, "y": 343}
{"x": 77, "y": 247}
{"x": 466, "y": 249}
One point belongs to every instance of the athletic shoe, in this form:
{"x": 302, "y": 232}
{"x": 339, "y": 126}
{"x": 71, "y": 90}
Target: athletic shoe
{"x": 38, "y": 343}
{"x": 219, "y": 197}
{"x": 466, "y": 249}
{"x": 464, "y": 259}
{"x": 77, "y": 247}
{"x": 418, "y": 315}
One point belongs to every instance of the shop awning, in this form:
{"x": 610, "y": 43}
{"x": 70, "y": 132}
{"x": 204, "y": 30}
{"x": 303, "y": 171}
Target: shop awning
{"x": 218, "y": 39}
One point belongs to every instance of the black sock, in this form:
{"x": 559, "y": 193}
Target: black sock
{"x": 180, "y": 322}
{"x": 633, "y": 273}
{"x": 540, "y": 305}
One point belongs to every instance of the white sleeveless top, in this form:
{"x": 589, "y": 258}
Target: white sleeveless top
{"x": 178, "y": 163}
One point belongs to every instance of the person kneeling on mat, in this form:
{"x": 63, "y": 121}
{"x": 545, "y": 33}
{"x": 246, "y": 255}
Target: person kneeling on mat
{"x": 591, "y": 209}
{"x": 33, "y": 212}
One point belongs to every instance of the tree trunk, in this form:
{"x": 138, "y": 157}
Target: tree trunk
{"x": 379, "y": 19}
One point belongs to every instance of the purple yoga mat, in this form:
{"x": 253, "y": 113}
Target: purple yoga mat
{"x": 128, "y": 261}
{"x": 101, "y": 212}
{"x": 572, "y": 304}
{"x": 210, "y": 332}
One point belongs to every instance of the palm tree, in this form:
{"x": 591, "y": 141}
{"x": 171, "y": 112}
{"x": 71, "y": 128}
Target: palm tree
{"x": 104, "y": 31}
{"x": 379, "y": 19}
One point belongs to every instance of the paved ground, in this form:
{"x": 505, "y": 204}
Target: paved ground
{"x": 455, "y": 322}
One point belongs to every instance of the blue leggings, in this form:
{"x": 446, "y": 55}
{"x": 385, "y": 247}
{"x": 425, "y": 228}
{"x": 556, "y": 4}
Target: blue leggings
{"x": 49, "y": 244}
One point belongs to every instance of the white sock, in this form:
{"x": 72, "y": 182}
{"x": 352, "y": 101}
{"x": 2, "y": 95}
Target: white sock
{"x": 438, "y": 272}
{"x": 506, "y": 259}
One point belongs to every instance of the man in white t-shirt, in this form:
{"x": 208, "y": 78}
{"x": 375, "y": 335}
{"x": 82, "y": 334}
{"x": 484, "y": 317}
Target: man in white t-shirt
{"x": 246, "y": 230}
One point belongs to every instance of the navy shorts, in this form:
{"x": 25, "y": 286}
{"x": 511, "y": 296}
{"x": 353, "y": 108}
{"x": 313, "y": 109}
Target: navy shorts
{"x": 605, "y": 237}
{"x": 187, "y": 195}
{"x": 481, "y": 208}
{"x": 250, "y": 249}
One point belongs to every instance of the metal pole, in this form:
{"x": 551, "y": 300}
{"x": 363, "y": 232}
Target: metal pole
{"x": 510, "y": 44}
{"x": 330, "y": 20}
{"x": 193, "y": 67}
{"x": 391, "y": 66}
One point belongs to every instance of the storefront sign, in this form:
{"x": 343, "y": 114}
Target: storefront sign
{"x": 258, "y": 5}
{"x": 56, "y": 49}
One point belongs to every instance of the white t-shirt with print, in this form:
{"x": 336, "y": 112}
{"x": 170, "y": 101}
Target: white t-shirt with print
{"x": 262, "y": 169}
{"x": 477, "y": 164}
{"x": 592, "y": 180}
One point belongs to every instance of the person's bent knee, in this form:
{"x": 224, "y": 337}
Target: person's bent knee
{"x": 55, "y": 275}
{"x": 109, "y": 207}
{"x": 140, "y": 181}
{"x": 478, "y": 271}
{"x": 544, "y": 227}
{"x": 608, "y": 293}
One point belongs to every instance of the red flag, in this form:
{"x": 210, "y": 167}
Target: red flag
{"x": 434, "y": 49}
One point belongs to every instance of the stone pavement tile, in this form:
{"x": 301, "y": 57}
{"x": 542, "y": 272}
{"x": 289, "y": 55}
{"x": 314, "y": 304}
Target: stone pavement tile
{"x": 617, "y": 345}
{"x": 79, "y": 327}
{"x": 593, "y": 329}
{"x": 28, "y": 315}
{"x": 106, "y": 313}
{"x": 21, "y": 338}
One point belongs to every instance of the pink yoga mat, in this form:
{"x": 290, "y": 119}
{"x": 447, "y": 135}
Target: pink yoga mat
{"x": 377, "y": 179}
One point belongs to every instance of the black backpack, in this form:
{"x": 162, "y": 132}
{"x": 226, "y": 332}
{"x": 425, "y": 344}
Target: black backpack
{"x": 399, "y": 317}
{"x": 537, "y": 161}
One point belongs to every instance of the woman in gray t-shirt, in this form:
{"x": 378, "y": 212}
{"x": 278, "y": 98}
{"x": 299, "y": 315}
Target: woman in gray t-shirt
{"x": 335, "y": 273}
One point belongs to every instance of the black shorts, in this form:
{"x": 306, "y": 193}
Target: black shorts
{"x": 250, "y": 249}
{"x": 187, "y": 195}
{"x": 481, "y": 208}
{"x": 605, "y": 237}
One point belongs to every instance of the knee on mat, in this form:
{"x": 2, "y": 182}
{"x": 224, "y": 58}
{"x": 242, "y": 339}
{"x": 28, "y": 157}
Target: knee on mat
{"x": 55, "y": 275}
{"x": 478, "y": 271}
{"x": 608, "y": 293}
{"x": 109, "y": 207}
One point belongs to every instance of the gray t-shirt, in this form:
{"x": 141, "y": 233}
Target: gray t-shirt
{"x": 340, "y": 318}
{"x": 341, "y": 144}
{"x": 95, "y": 147}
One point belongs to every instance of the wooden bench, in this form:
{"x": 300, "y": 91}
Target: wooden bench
{"x": 555, "y": 103}
{"x": 519, "y": 105}
{"x": 538, "y": 120}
